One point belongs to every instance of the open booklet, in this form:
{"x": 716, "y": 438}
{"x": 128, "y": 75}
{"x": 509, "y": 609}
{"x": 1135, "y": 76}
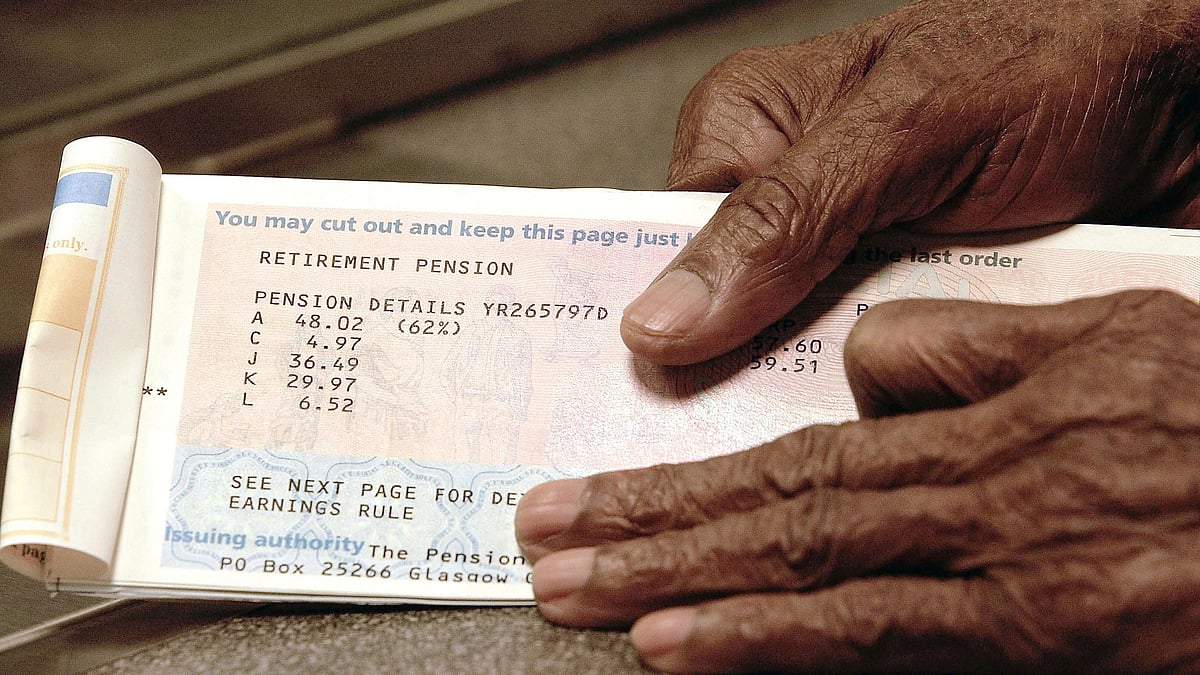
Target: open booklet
{"x": 263, "y": 388}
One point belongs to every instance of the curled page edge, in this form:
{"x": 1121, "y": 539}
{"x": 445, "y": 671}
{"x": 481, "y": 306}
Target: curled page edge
{"x": 80, "y": 390}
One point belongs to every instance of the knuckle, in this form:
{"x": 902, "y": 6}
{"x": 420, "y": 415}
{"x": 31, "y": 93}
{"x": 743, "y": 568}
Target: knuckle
{"x": 767, "y": 219}
{"x": 642, "y": 570}
{"x": 866, "y": 618}
{"x": 1157, "y": 301}
{"x": 770, "y": 228}
{"x": 737, "y": 554}
{"x": 1138, "y": 342}
{"x": 754, "y": 629}
{"x": 1057, "y": 614}
{"x": 623, "y": 504}
{"x": 807, "y": 541}
{"x": 813, "y": 459}
{"x": 1126, "y": 368}
{"x": 744, "y": 632}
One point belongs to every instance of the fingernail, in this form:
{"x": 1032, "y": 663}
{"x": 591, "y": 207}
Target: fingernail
{"x": 671, "y": 305}
{"x": 662, "y": 632}
{"x": 560, "y": 574}
{"x": 547, "y": 509}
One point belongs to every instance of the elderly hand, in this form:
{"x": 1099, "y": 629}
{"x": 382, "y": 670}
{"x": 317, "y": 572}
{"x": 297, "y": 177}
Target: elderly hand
{"x": 1023, "y": 493}
{"x": 1024, "y": 489}
{"x": 945, "y": 115}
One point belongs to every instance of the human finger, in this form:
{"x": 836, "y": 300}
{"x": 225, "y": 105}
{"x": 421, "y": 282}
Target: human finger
{"x": 749, "y": 109}
{"x": 1129, "y": 603}
{"x": 779, "y": 233}
{"x": 908, "y": 624}
{"x": 902, "y": 356}
{"x": 938, "y": 447}
{"x": 920, "y": 354}
{"x": 934, "y": 133}
{"x": 817, "y": 539}
{"x": 1032, "y": 544}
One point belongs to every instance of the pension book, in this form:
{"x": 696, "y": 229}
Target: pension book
{"x": 266, "y": 388}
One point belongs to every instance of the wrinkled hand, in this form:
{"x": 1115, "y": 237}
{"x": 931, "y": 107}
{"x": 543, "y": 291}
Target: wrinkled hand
{"x": 1022, "y": 493}
{"x": 945, "y": 115}
{"x": 1024, "y": 489}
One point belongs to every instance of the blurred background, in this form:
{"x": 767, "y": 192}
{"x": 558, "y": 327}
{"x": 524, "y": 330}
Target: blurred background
{"x": 542, "y": 93}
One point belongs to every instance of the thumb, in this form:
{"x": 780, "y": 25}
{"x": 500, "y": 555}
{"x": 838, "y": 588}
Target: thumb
{"x": 912, "y": 355}
{"x": 870, "y": 162}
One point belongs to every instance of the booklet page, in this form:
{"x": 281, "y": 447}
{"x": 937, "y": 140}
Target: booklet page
{"x": 348, "y": 386}
{"x": 75, "y": 419}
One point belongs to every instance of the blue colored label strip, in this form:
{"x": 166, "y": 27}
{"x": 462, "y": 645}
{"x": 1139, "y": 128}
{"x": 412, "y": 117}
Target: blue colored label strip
{"x": 83, "y": 187}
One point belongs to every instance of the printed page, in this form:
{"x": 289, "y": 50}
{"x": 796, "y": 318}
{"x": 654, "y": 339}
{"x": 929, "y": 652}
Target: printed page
{"x": 81, "y": 378}
{"x": 358, "y": 381}
{"x": 353, "y": 389}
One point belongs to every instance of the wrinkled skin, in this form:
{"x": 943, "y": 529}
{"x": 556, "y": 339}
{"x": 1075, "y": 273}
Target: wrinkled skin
{"x": 949, "y": 115}
{"x": 1023, "y": 489}
{"x": 1049, "y": 518}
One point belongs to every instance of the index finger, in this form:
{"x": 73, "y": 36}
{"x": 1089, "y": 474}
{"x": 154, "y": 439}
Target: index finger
{"x": 745, "y": 113}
